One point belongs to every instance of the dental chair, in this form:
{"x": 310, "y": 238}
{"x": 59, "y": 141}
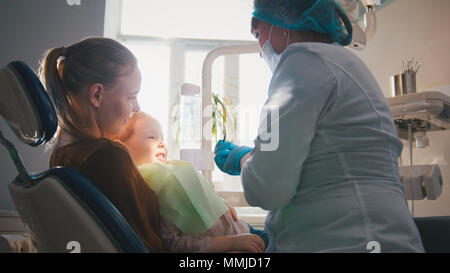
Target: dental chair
{"x": 62, "y": 210}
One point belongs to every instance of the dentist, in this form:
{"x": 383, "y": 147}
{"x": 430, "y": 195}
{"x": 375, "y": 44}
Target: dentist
{"x": 328, "y": 173}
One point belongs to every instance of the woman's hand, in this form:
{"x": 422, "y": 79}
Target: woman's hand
{"x": 231, "y": 211}
{"x": 248, "y": 243}
{"x": 238, "y": 243}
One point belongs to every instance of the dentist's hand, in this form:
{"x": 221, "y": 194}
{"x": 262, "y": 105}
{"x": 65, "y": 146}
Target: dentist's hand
{"x": 228, "y": 157}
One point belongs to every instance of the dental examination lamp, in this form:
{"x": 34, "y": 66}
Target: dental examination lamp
{"x": 362, "y": 37}
{"x": 61, "y": 208}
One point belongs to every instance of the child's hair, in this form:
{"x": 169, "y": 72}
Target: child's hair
{"x": 128, "y": 128}
{"x": 68, "y": 72}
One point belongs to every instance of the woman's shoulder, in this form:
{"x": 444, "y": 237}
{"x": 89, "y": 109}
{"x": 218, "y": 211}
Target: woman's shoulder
{"x": 78, "y": 153}
{"x": 105, "y": 143}
{"x": 108, "y": 149}
{"x": 101, "y": 160}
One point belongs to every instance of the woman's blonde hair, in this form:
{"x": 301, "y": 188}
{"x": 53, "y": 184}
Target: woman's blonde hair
{"x": 68, "y": 72}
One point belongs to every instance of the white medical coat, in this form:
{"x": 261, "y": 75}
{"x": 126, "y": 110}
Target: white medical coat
{"x": 330, "y": 178}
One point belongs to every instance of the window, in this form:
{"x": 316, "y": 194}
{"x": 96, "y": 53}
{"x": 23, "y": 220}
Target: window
{"x": 193, "y": 19}
{"x": 154, "y": 94}
{"x": 171, "y": 45}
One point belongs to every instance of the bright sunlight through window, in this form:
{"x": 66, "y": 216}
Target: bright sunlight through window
{"x": 191, "y": 19}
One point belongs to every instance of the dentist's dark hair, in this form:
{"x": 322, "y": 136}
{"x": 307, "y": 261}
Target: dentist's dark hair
{"x": 68, "y": 72}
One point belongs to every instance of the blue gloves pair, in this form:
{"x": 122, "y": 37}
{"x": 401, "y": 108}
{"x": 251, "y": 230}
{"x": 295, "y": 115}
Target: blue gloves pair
{"x": 228, "y": 156}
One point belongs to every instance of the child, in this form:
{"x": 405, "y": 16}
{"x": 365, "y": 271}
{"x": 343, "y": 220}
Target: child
{"x": 194, "y": 217}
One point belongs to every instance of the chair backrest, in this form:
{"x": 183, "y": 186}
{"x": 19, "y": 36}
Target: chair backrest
{"x": 435, "y": 233}
{"x": 62, "y": 209}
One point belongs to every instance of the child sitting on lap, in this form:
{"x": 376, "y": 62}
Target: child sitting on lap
{"x": 194, "y": 216}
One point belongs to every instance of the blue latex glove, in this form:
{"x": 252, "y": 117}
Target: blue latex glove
{"x": 228, "y": 157}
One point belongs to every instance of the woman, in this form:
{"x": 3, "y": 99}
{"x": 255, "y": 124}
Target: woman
{"x": 330, "y": 179}
{"x": 94, "y": 84}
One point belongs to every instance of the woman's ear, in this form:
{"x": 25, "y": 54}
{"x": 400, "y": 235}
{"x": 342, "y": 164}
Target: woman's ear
{"x": 96, "y": 94}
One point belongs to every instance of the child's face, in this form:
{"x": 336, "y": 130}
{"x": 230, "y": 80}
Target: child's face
{"x": 146, "y": 144}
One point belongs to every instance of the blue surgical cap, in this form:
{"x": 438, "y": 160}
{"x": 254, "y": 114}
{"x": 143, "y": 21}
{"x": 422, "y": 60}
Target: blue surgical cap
{"x": 323, "y": 16}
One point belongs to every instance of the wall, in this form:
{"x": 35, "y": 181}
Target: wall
{"x": 417, "y": 28}
{"x": 28, "y": 29}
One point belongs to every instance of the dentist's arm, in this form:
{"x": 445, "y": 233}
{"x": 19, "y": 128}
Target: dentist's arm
{"x": 271, "y": 175}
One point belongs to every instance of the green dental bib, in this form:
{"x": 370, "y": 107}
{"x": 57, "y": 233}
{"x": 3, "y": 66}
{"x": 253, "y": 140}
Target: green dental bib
{"x": 186, "y": 198}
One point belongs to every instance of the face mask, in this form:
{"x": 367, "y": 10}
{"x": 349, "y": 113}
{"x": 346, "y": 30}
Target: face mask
{"x": 268, "y": 53}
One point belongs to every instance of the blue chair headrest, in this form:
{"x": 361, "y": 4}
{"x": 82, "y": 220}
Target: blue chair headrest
{"x": 25, "y": 105}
